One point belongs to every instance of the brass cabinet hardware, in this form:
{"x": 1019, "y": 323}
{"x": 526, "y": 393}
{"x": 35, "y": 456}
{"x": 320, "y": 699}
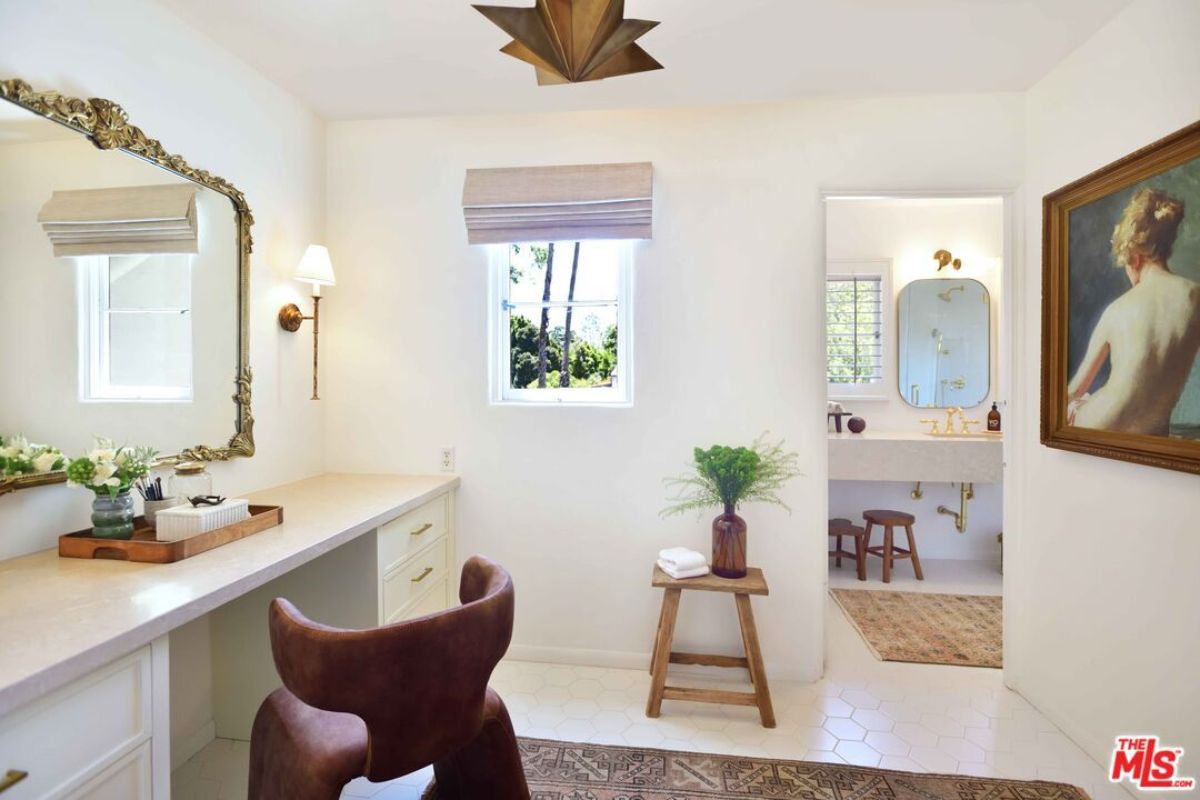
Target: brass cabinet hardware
{"x": 11, "y": 779}
{"x": 424, "y": 574}
{"x": 417, "y": 531}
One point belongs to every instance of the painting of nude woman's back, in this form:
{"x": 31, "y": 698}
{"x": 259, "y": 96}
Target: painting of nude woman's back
{"x": 1122, "y": 309}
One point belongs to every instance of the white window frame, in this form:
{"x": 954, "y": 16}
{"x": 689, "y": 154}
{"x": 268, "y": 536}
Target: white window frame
{"x": 499, "y": 352}
{"x": 94, "y": 336}
{"x": 881, "y": 268}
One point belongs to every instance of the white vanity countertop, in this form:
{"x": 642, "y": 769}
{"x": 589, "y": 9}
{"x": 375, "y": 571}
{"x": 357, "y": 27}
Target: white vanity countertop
{"x": 914, "y": 456}
{"x": 61, "y": 618}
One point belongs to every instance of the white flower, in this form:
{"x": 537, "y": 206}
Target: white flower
{"x": 102, "y": 455}
{"x": 105, "y": 470}
{"x": 111, "y": 482}
{"x": 14, "y": 448}
{"x": 45, "y": 461}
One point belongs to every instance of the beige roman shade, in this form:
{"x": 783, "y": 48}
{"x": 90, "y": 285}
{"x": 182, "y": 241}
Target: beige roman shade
{"x": 555, "y": 204}
{"x": 122, "y": 221}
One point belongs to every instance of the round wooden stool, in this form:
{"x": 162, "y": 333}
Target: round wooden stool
{"x": 843, "y": 527}
{"x": 888, "y": 551}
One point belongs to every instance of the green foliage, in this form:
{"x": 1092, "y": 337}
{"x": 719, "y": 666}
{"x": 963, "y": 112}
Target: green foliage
{"x": 730, "y": 476}
{"x": 108, "y": 469}
{"x": 523, "y": 344}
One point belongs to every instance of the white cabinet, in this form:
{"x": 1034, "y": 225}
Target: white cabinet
{"x": 416, "y": 559}
{"x": 93, "y": 739}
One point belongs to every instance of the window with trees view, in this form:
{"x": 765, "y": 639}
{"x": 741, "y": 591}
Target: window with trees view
{"x": 854, "y": 333}
{"x": 562, "y": 332}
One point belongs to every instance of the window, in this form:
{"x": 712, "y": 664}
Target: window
{"x": 855, "y": 325}
{"x": 135, "y": 328}
{"x": 561, "y": 318}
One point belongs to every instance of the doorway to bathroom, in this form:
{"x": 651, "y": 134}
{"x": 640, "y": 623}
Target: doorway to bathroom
{"x": 916, "y": 331}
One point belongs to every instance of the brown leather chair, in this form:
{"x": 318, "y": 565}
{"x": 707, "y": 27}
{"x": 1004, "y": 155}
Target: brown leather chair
{"x": 384, "y": 702}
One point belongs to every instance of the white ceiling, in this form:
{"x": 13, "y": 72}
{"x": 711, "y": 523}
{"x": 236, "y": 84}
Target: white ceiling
{"x": 352, "y": 59}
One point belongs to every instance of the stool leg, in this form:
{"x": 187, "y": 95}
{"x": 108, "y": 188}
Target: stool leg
{"x": 838, "y": 560}
{"x": 662, "y": 651}
{"x": 860, "y": 552}
{"x": 662, "y": 613}
{"x": 887, "y": 553}
{"x": 912, "y": 548}
{"x": 758, "y": 675}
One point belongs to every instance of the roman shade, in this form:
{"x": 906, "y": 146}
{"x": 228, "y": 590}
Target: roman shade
{"x": 122, "y": 221}
{"x": 554, "y": 204}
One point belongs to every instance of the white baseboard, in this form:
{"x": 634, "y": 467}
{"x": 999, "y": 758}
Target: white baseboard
{"x": 1095, "y": 748}
{"x": 184, "y": 747}
{"x": 616, "y": 659}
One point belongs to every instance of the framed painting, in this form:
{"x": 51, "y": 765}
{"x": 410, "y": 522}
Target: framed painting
{"x": 1121, "y": 309}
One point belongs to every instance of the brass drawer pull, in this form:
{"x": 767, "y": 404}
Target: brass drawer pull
{"x": 11, "y": 779}
{"x": 424, "y": 574}
{"x": 421, "y": 529}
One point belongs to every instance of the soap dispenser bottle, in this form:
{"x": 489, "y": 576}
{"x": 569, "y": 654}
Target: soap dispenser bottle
{"x": 993, "y": 419}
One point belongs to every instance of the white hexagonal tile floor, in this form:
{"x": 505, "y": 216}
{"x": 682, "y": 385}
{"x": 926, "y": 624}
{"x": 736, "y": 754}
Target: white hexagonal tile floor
{"x": 913, "y": 717}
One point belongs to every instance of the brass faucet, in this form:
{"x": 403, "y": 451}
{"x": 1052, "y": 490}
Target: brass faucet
{"x": 950, "y": 412}
{"x": 934, "y": 423}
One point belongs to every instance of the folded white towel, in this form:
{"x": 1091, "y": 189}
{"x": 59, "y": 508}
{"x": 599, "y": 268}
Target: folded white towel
{"x": 695, "y": 572}
{"x": 832, "y": 407}
{"x": 681, "y": 558}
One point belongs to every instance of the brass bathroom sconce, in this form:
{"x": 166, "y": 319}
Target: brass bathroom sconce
{"x": 946, "y": 259}
{"x": 317, "y": 269}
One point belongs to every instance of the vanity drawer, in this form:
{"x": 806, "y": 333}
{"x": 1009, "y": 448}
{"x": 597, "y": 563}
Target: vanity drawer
{"x": 414, "y": 577}
{"x": 433, "y": 600}
{"x": 67, "y": 737}
{"x": 128, "y": 779}
{"x": 409, "y": 533}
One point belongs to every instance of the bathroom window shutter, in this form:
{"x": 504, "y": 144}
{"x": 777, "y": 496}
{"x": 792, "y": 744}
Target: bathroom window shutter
{"x": 555, "y": 204}
{"x": 854, "y": 329}
{"x": 127, "y": 220}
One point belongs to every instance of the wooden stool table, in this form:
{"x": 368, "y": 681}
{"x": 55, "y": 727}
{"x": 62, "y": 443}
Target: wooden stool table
{"x": 741, "y": 589}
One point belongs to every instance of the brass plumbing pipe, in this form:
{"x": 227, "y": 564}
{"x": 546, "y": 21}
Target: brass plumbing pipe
{"x": 965, "y": 495}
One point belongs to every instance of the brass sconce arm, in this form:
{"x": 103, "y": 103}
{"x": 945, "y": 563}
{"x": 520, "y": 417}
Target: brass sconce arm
{"x": 291, "y": 318}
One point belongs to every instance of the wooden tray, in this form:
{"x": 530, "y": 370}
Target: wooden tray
{"x": 145, "y": 548}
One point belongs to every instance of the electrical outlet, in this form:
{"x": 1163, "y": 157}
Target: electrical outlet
{"x": 447, "y": 459}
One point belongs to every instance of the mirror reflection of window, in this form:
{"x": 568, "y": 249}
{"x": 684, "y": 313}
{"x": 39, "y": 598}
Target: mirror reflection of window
{"x": 136, "y": 328}
{"x": 945, "y": 347}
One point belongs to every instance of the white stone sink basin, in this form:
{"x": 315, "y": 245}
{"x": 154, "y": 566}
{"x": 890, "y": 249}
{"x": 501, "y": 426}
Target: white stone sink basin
{"x": 916, "y": 456}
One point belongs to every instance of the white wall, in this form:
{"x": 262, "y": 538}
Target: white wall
{"x": 729, "y": 342}
{"x": 908, "y": 231}
{"x": 1101, "y": 572}
{"x": 204, "y": 104}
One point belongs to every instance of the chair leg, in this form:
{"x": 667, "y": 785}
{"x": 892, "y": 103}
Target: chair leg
{"x": 887, "y": 553}
{"x": 489, "y": 765}
{"x": 860, "y": 552}
{"x": 912, "y": 548}
{"x": 838, "y": 559}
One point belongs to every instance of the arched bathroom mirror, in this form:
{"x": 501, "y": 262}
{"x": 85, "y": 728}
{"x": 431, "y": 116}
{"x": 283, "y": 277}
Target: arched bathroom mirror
{"x": 944, "y": 343}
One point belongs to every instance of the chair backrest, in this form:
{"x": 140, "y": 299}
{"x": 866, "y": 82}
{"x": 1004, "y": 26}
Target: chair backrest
{"x": 418, "y": 685}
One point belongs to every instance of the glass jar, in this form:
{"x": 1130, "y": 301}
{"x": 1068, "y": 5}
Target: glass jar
{"x": 190, "y": 480}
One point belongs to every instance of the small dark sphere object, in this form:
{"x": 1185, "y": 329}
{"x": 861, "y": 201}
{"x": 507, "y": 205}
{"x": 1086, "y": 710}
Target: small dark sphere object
{"x": 857, "y": 424}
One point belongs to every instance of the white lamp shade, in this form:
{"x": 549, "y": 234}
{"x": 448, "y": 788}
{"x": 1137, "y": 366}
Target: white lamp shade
{"x": 315, "y": 267}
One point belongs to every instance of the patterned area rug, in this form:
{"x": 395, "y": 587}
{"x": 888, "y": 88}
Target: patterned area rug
{"x": 960, "y": 629}
{"x": 562, "y": 771}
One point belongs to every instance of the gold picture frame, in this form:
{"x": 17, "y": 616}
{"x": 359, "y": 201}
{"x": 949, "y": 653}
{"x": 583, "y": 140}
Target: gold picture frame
{"x": 1107, "y": 190}
{"x": 107, "y": 126}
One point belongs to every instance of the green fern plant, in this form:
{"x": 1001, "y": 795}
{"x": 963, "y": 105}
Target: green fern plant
{"x": 727, "y": 477}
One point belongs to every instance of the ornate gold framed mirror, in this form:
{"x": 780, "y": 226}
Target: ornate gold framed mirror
{"x": 150, "y": 255}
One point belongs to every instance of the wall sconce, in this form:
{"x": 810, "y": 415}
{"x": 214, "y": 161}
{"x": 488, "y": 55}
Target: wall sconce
{"x": 946, "y": 259}
{"x": 317, "y": 269}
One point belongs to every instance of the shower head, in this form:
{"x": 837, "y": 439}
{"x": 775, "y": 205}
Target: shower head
{"x": 946, "y": 294}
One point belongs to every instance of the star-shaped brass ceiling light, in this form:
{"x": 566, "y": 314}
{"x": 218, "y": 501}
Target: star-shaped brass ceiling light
{"x": 571, "y": 41}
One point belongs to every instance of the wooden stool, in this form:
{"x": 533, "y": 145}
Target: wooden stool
{"x": 888, "y": 551}
{"x": 844, "y": 527}
{"x": 741, "y": 589}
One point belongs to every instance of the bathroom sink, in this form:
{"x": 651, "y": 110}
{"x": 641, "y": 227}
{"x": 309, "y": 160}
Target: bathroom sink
{"x": 996, "y": 436}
